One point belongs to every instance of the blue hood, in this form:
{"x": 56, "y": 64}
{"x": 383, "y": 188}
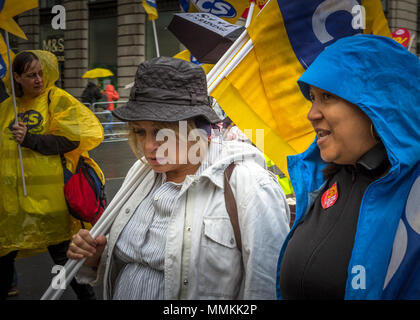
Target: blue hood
{"x": 382, "y": 78}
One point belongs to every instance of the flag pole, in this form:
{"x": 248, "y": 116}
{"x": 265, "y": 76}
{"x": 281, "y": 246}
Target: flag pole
{"x": 230, "y": 65}
{"x": 233, "y": 49}
{"x": 227, "y": 56}
{"x": 411, "y": 41}
{"x": 156, "y": 39}
{"x": 12, "y": 86}
{"x": 250, "y": 13}
{"x": 101, "y": 227}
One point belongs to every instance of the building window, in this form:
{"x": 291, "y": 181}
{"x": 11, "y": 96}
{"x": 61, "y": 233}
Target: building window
{"x": 103, "y": 30}
{"x": 50, "y": 39}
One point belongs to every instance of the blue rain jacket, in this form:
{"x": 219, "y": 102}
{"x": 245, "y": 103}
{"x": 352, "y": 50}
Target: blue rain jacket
{"x": 383, "y": 79}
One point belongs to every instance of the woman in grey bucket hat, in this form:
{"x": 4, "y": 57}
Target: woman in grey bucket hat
{"x": 173, "y": 238}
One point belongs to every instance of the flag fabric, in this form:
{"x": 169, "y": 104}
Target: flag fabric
{"x": 187, "y": 56}
{"x": 259, "y": 4}
{"x": 4, "y": 64}
{"x": 262, "y": 91}
{"x": 151, "y": 9}
{"x": 228, "y": 10}
{"x": 10, "y": 9}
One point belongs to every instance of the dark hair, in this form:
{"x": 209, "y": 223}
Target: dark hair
{"x": 21, "y": 63}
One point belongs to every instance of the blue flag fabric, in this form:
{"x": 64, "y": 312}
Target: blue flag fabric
{"x": 327, "y": 20}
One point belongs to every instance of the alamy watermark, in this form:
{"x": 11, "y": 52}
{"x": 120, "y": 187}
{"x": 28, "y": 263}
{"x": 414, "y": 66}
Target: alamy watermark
{"x": 59, "y": 281}
{"x": 58, "y": 22}
{"x": 185, "y": 147}
{"x": 358, "y": 281}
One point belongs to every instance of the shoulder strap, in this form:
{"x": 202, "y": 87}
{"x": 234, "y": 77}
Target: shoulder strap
{"x": 231, "y": 207}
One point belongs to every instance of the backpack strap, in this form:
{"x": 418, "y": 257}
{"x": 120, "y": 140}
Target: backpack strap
{"x": 230, "y": 204}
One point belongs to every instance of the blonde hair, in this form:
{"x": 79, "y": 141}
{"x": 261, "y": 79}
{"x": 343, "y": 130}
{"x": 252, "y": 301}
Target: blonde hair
{"x": 174, "y": 126}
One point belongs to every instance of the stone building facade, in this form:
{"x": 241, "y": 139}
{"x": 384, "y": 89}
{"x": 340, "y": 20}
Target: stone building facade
{"x": 129, "y": 39}
{"x": 405, "y": 14}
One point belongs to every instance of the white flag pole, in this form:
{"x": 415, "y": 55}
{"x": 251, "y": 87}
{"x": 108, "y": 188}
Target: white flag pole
{"x": 101, "y": 227}
{"x": 250, "y": 12}
{"x": 411, "y": 41}
{"x": 231, "y": 65}
{"x": 227, "y": 56}
{"x": 12, "y": 86}
{"x": 156, "y": 38}
{"x": 233, "y": 49}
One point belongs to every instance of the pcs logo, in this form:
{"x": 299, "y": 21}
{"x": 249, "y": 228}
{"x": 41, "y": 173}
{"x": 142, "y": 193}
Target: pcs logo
{"x": 219, "y": 8}
{"x": 32, "y": 120}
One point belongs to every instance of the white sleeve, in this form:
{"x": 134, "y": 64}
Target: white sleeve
{"x": 264, "y": 222}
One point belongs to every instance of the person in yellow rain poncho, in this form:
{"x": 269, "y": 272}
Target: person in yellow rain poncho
{"x": 50, "y": 123}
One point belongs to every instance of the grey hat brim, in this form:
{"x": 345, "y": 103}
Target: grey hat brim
{"x": 152, "y": 111}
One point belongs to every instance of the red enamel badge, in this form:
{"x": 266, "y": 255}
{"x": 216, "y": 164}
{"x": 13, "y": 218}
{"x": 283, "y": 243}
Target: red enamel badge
{"x": 330, "y": 196}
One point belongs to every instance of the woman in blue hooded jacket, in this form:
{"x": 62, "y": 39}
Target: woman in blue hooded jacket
{"x": 357, "y": 228}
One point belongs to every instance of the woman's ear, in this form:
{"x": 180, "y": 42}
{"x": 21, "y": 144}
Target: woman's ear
{"x": 16, "y": 77}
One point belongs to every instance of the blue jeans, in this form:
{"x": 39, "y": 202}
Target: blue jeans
{"x": 108, "y": 118}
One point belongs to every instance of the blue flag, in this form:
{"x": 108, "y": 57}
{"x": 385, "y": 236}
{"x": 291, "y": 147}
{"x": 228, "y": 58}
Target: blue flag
{"x": 314, "y": 25}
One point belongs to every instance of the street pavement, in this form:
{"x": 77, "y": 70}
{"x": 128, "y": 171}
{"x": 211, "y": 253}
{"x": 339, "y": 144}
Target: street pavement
{"x": 34, "y": 273}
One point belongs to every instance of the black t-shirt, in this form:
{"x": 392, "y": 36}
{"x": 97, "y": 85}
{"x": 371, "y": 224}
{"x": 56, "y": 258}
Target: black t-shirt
{"x": 315, "y": 262}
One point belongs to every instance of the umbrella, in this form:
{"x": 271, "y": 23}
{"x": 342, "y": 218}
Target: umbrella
{"x": 8, "y": 10}
{"x": 97, "y": 73}
{"x": 206, "y": 36}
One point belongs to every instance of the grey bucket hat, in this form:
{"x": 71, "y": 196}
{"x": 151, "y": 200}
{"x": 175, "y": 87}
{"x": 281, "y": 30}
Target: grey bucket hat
{"x": 169, "y": 90}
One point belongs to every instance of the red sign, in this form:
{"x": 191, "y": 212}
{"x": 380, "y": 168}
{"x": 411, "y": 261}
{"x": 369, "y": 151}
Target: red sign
{"x": 402, "y": 36}
{"x": 330, "y": 196}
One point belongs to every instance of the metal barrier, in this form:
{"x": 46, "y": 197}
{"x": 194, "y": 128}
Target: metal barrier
{"x": 94, "y": 105}
{"x": 119, "y": 129}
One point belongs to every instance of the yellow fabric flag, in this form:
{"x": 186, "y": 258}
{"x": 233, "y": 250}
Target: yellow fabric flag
{"x": 150, "y": 8}
{"x": 12, "y": 8}
{"x": 262, "y": 91}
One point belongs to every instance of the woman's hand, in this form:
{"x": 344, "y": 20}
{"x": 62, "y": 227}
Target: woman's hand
{"x": 83, "y": 245}
{"x": 19, "y": 132}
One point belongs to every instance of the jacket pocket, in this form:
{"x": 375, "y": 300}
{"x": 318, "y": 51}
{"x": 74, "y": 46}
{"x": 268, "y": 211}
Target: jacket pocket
{"x": 219, "y": 230}
{"x": 220, "y": 261}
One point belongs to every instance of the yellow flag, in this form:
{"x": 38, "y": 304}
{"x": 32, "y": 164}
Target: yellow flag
{"x": 150, "y": 8}
{"x": 12, "y": 8}
{"x": 262, "y": 91}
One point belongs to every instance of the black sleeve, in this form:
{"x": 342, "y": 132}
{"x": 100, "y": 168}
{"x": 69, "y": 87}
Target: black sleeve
{"x": 98, "y": 94}
{"x": 48, "y": 144}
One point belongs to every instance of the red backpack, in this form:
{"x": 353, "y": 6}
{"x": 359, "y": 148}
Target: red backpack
{"x": 84, "y": 192}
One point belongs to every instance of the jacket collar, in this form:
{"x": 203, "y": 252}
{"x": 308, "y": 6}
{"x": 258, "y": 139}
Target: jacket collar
{"x": 374, "y": 162}
{"x": 221, "y": 154}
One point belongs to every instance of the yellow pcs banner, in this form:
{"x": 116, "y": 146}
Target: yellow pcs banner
{"x": 262, "y": 91}
{"x": 228, "y": 10}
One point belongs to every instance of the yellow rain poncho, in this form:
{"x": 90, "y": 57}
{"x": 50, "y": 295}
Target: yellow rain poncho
{"x": 30, "y": 224}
